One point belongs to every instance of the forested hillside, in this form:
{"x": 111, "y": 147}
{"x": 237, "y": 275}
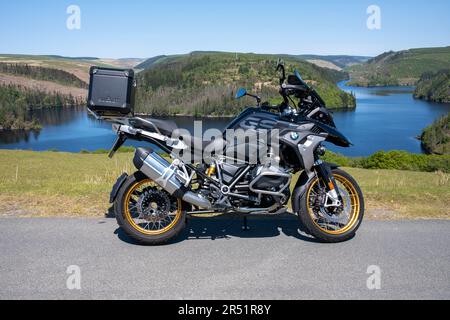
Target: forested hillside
{"x": 28, "y": 82}
{"x": 204, "y": 83}
{"x": 200, "y": 83}
{"x": 434, "y": 87}
{"x": 400, "y": 68}
{"x": 436, "y": 138}
{"x": 341, "y": 61}
{"x": 17, "y": 101}
{"x": 41, "y": 73}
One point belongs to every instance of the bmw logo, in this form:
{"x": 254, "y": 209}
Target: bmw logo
{"x": 294, "y": 135}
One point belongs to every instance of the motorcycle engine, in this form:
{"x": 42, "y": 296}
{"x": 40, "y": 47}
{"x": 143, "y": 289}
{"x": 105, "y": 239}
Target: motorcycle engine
{"x": 271, "y": 182}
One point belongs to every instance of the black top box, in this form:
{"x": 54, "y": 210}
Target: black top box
{"x": 111, "y": 91}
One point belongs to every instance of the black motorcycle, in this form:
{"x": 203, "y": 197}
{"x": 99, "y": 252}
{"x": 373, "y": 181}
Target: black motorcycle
{"x": 222, "y": 175}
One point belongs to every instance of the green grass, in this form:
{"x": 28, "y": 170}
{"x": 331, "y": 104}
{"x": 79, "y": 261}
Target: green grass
{"x": 105, "y": 151}
{"x": 394, "y": 194}
{"x": 67, "y": 184}
{"x": 54, "y": 183}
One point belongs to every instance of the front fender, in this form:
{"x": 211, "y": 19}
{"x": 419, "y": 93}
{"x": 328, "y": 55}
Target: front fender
{"x": 302, "y": 184}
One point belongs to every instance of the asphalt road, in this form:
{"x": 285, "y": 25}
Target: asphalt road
{"x": 214, "y": 259}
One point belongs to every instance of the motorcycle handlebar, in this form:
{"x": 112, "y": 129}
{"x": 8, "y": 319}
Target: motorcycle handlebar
{"x": 280, "y": 67}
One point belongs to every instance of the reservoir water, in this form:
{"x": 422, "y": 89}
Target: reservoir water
{"x": 386, "y": 118}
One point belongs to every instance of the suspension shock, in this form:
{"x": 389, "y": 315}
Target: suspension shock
{"x": 324, "y": 172}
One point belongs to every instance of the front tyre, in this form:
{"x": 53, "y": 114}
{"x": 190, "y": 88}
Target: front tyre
{"x": 147, "y": 213}
{"x": 327, "y": 223}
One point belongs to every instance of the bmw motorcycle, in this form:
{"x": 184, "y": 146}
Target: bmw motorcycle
{"x": 152, "y": 205}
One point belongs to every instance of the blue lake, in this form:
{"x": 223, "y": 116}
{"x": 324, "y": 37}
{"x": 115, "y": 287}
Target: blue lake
{"x": 385, "y": 119}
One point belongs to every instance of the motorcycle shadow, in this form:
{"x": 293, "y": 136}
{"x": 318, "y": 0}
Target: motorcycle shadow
{"x": 227, "y": 226}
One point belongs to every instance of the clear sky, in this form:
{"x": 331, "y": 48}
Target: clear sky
{"x": 133, "y": 28}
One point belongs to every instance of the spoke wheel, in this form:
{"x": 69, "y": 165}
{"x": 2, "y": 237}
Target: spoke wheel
{"x": 334, "y": 220}
{"x": 149, "y": 209}
{"x": 147, "y": 213}
{"x": 328, "y": 221}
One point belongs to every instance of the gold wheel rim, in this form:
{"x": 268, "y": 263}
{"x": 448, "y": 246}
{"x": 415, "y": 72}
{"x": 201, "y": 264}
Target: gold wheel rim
{"x": 136, "y": 226}
{"x": 354, "y": 205}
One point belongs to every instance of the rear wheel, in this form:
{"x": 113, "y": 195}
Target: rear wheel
{"x": 332, "y": 223}
{"x": 148, "y": 213}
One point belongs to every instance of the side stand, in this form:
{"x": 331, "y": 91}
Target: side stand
{"x": 245, "y": 227}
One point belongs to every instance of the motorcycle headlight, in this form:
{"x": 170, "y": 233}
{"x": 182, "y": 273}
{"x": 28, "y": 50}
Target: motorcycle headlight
{"x": 321, "y": 150}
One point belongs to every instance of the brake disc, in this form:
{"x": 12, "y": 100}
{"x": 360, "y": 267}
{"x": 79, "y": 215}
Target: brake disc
{"x": 153, "y": 205}
{"x": 338, "y": 216}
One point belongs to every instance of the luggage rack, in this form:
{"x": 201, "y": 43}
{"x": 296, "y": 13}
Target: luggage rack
{"x": 122, "y": 119}
{"x": 131, "y": 125}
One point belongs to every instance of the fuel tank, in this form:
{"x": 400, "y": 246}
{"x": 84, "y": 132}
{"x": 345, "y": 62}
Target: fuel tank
{"x": 254, "y": 118}
{"x": 251, "y": 135}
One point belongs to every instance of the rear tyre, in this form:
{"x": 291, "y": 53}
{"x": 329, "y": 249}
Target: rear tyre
{"x": 332, "y": 224}
{"x": 147, "y": 213}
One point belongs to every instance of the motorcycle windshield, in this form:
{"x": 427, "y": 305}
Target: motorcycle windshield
{"x": 299, "y": 77}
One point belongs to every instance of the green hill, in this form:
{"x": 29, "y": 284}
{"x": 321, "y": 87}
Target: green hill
{"x": 434, "y": 86}
{"x": 41, "y": 73}
{"x": 150, "y": 62}
{"x": 78, "y": 66}
{"x": 436, "y": 138}
{"x": 341, "y": 61}
{"x": 28, "y": 82}
{"x": 400, "y": 68}
{"x": 204, "y": 83}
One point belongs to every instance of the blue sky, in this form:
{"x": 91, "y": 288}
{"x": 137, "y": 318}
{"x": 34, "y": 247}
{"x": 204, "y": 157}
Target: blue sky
{"x": 133, "y": 28}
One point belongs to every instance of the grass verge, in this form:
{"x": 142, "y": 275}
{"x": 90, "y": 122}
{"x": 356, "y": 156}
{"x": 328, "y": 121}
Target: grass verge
{"x": 42, "y": 184}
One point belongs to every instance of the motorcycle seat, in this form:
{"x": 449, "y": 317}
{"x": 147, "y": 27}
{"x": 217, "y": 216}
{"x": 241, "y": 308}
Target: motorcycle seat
{"x": 197, "y": 146}
{"x": 165, "y": 127}
{"x": 201, "y": 149}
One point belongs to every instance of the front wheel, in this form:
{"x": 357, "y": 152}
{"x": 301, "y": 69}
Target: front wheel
{"x": 332, "y": 223}
{"x": 147, "y": 213}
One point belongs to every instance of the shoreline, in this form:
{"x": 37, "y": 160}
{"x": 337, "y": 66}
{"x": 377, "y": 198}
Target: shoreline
{"x": 348, "y": 83}
{"x": 184, "y": 116}
{"x": 379, "y": 86}
{"x": 439, "y": 162}
{"x": 33, "y": 128}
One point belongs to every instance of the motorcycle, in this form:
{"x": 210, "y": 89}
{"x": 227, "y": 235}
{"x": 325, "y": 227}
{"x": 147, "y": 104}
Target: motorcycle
{"x": 152, "y": 205}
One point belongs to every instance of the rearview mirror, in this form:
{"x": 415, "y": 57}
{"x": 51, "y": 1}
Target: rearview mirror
{"x": 241, "y": 93}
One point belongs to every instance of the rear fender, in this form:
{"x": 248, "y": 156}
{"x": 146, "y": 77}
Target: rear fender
{"x": 117, "y": 186}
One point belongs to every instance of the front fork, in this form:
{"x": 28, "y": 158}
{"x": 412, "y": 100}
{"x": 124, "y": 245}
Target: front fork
{"x": 325, "y": 175}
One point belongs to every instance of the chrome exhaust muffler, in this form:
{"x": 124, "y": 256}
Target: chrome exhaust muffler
{"x": 165, "y": 174}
